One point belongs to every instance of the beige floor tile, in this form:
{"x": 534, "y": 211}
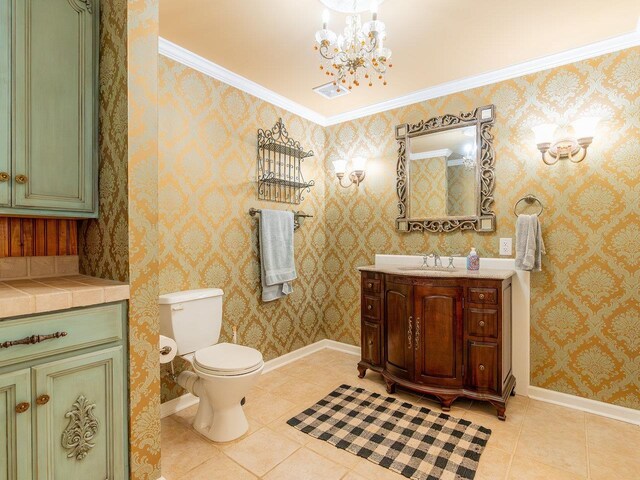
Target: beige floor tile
{"x": 262, "y": 451}
{"x": 344, "y": 458}
{"x": 307, "y": 465}
{"x": 611, "y": 436}
{"x": 182, "y": 449}
{"x": 280, "y": 426}
{"x": 494, "y": 464}
{"x": 271, "y": 380}
{"x": 503, "y": 435}
{"x": 300, "y": 392}
{"x": 562, "y": 445}
{"x": 266, "y": 406}
{"x": 218, "y": 467}
{"x": 525, "y": 468}
{"x": 542, "y": 413}
{"x": 353, "y": 476}
{"x": 516, "y": 410}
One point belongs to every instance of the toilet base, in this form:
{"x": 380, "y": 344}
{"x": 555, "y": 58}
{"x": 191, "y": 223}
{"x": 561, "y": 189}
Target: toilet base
{"x": 223, "y": 426}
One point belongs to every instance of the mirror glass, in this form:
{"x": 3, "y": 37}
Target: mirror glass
{"x": 443, "y": 173}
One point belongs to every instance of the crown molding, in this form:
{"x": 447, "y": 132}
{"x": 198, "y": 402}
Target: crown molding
{"x": 190, "y": 59}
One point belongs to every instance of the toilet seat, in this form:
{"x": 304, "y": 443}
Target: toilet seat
{"x": 227, "y": 359}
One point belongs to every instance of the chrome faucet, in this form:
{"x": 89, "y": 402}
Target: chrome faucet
{"x": 425, "y": 260}
{"x": 436, "y": 262}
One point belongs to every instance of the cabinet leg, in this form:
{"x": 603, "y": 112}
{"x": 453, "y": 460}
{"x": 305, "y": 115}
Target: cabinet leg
{"x": 391, "y": 386}
{"x": 501, "y": 408}
{"x": 445, "y": 404}
{"x": 513, "y": 390}
{"x": 362, "y": 370}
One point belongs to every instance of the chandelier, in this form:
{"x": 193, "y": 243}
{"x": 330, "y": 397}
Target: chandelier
{"x": 358, "y": 52}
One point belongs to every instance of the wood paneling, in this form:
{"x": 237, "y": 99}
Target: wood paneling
{"x": 30, "y": 237}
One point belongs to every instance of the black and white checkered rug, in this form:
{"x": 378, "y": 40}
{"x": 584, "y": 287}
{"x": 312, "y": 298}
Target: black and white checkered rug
{"x": 410, "y": 440}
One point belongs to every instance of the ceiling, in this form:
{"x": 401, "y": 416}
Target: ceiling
{"x": 433, "y": 41}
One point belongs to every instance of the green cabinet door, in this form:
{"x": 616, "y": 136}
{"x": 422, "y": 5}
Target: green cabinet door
{"x": 80, "y": 417}
{"x": 15, "y": 425}
{"x": 5, "y": 103}
{"x": 54, "y": 117}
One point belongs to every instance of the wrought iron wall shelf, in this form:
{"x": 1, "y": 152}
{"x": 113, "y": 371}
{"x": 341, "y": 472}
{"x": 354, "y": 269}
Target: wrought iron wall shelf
{"x": 279, "y": 160}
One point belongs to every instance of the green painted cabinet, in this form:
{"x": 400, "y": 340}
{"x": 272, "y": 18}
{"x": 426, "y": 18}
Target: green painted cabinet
{"x": 54, "y": 45}
{"x": 15, "y": 425}
{"x": 5, "y": 103}
{"x": 63, "y": 397}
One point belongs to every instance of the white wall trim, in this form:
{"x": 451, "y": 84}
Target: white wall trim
{"x": 190, "y": 59}
{"x": 603, "y": 409}
{"x": 187, "y": 400}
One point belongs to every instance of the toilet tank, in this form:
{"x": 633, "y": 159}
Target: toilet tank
{"x": 193, "y": 318}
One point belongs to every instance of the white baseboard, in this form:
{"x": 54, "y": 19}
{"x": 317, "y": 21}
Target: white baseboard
{"x": 603, "y": 409}
{"x": 185, "y": 401}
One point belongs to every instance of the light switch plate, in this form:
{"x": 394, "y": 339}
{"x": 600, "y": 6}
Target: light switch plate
{"x": 506, "y": 246}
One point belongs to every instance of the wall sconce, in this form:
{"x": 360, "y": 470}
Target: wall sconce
{"x": 357, "y": 174}
{"x": 574, "y": 148}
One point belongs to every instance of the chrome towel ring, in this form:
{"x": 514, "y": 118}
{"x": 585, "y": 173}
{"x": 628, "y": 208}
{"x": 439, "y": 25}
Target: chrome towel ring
{"x": 529, "y": 199}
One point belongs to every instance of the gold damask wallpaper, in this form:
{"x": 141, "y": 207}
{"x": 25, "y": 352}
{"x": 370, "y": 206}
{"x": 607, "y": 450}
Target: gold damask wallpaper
{"x": 429, "y": 187}
{"x": 461, "y": 195}
{"x": 207, "y": 185}
{"x": 586, "y": 302}
{"x": 122, "y": 243}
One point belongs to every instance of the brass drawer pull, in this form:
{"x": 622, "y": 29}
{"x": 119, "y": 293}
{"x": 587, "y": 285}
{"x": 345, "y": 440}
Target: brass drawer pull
{"x": 369, "y": 285}
{"x": 32, "y": 340}
{"x": 22, "y": 407}
{"x": 481, "y": 367}
{"x": 410, "y": 332}
{"x": 22, "y": 179}
{"x": 371, "y": 343}
{"x": 43, "y": 399}
{"x": 481, "y": 296}
{"x": 369, "y": 307}
{"x": 417, "y": 341}
{"x": 4, "y": 177}
{"x": 481, "y": 323}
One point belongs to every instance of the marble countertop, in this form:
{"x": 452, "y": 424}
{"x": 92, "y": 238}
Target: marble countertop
{"x": 483, "y": 273}
{"x": 37, "y": 295}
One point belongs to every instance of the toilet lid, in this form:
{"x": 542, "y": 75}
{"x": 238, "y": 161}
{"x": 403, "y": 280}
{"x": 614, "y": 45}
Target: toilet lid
{"x": 227, "y": 358}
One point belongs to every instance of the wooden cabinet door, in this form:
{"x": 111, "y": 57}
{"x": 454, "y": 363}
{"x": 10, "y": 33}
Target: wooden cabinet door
{"x": 80, "y": 429}
{"x": 5, "y": 103}
{"x": 438, "y": 324}
{"x": 55, "y": 127}
{"x": 399, "y": 330}
{"x": 15, "y": 425}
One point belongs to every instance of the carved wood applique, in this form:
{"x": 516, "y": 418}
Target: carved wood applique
{"x": 86, "y": 4}
{"x": 82, "y": 428}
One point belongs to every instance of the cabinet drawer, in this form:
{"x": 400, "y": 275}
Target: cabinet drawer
{"x": 371, "y": 307}
{"x": 482, "y": 322}
{"x": 482, "y": 366}
{"x": 371, "y": 343}
{"x": 483, "y": 295}
{"x": 371, "y": 285}
{"x": 69, "y": 330}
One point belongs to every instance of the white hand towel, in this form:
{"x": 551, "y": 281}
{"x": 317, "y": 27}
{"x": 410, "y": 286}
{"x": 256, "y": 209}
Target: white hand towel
{"x": 276, "y": 254}
{"x": 529, "y": 243}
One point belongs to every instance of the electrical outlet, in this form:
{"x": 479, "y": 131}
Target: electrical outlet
{"x": 506, "y": 246}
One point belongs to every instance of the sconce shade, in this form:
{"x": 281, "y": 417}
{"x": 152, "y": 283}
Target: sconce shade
{"x": 585, "y": 127}
{"x": 544, "y": 133}
{"x": 340, "y": 166}
{"x": 359, "y": 164}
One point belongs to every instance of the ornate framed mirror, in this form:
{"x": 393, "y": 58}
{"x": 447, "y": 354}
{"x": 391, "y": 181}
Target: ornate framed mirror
{"x": 445, "y": 173}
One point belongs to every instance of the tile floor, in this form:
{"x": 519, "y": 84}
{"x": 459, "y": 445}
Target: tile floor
{"x": 538, "y": 440}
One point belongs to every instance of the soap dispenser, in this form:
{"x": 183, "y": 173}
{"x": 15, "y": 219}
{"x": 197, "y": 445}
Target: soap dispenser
{"x": 473, "y": 260}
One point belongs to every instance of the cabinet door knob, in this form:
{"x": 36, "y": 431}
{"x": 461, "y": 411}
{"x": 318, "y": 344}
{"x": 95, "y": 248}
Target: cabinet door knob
{"x": 481, "y": 367}
{"x": 481, "y": 296}
{"x": 369, "y": 285}
{"x": 43, "y": 399}
{"x": 369, "y": 307}
{"x": 4, "y": 177}
{"x": 22, "y": 179}
{"x": 481, "y": 323}
{"x": 371, "y": 343}
{"x": 22, "y": 407}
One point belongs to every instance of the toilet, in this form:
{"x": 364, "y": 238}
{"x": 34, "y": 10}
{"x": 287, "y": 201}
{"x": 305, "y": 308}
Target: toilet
{"x": 224, "y": 372}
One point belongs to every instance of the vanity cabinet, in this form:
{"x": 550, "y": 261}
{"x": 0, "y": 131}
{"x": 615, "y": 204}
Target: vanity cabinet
{"x": 63, "y": 395}
{"x": 48, "y": 103}
{"x": 448, "y": 337}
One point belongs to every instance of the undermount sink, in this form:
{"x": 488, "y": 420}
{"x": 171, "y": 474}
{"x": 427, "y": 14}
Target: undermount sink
{"x": 428, "y": 269}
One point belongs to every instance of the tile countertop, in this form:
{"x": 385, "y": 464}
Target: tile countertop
{"x": 37, "y": 295}
{"x": 485, "y": 273}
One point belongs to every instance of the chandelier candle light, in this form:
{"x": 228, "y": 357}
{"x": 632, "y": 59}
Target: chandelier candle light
{"x": 358, "y": 52}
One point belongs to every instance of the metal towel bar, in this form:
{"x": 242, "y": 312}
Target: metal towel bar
{"x": 297, "y": 215}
